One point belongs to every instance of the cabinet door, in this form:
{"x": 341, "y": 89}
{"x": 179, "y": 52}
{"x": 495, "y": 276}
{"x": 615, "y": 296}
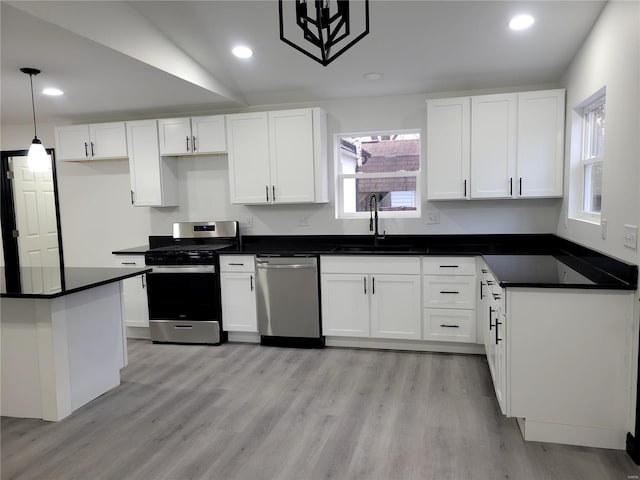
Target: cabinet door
{"x": 209, "y": 134}
{"x": 238, "y": 302}
{"x": 153, "y": 178}
{"x": 395, "y": 306}
{"x": 292, "y": 156}
{"x": 248, "y": 147}
{"x": 345, "y": 305}
{"x": 108, "y": 140}
{"x": 500, "y": 379}
{"x": 540, "y": 143}
{"x": 493, "y": 145}
{"x": 72, "y": 142}
{"x": 135, "y": 310}
{"x": 175, "y": 136}
{"x": 448, "y": 148}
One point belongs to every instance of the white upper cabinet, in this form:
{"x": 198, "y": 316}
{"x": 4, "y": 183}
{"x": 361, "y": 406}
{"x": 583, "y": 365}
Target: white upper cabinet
{"x": 192, "y": 135}
{"x": 154, "y": 181}
{"x": 91, "y": 142}
{"x": 278, "y": 157}
{"x": 540, "y": 143}
{"x": 493, "y": 145}
{"x": 496, "y": 146}
{"x": 448, "y": 154}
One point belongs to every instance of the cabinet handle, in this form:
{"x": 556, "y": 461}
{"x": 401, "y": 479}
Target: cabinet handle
{"x": 237, "y": 264}
{"x": 498, "y": 340}
{"x": 251, "y": 282}
{"x": 484, "y": 270}
{"x": 481, "y": 285}
{"x": 273, "y": 189}
{"x": 449, "y": 266}
{"x": 266, "y": 189}
{"x": 365, "y": 284}
{"x": 142, "y": 280}
{"x": 496, "y": 296}
{"x": 489, "y": 282}
{"x": 520, "y": 182}
{"x": 491, "y": 310}
{"x": 92, "y": 152}
{"x": 373, "y": 285}
{"x": 127, "y": 263}
{"x": 187, "y": 137}
{"x": 193, "y": 143}
{"x": 86, "y": 152}
{"x": 449, "y": 291}
{"x": 510, "y": 185}
{"x": 465, "y": 188}
{"x": 131, "y": 197}
{"x": 444, "y": 325}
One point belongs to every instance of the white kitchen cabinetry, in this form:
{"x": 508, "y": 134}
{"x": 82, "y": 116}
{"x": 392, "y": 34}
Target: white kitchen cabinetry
{"x": 493, "y": 145}
{"x": 448, "y": 148}
{"x": 496, "y": 146}
{"x": 237, "y": 283}
{"x": 449, "y": 289}
{"x": 135, "y": 309}
{"x": 376, "y": 297}
{"x": 154, "y": 180}
{"x": 91, "y": 142}
{"x": 278, "y": 157}
{"x": 540, "y": 143}
{"x": 192, "y": 135}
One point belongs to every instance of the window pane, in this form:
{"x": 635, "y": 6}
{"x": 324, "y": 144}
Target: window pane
{"x": 392, "y": 194}
{"x": 381, "y": 153}
{"x": 595, "y": 132}
{"x": 592, "y": 201}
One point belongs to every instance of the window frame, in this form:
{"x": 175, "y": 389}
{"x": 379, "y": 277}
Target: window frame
{"x": 586, "y": 159}
{"x": 340, "y": 177}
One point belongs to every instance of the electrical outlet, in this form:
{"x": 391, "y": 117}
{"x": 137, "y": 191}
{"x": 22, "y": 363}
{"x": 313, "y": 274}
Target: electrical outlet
{"x": 304, "y": 221}
{"x": 248, "y": 222}
{"x": 433, "y": 218}
{"x": 631, "y": 236}
{"x": 603, "y": 226}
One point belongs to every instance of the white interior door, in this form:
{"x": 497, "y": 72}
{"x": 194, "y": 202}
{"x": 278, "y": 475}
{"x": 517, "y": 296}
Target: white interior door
{"x": 34, "y": 202}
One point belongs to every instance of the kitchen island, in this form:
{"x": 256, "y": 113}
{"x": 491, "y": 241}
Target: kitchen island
{"x": 62, "y": 339}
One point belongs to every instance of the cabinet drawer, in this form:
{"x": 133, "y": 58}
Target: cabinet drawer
{"x": 449, "y": 265}
{"x": 392, "y": 265}
{"x": 449, "y": 325}
{"x": 131, "y": 261}
{"x": 237, "y": 263}
{"x": 449, "y": 291}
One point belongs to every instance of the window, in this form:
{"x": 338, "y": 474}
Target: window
{"x": 385, "y": 165}
{"x": 593, "y": 130}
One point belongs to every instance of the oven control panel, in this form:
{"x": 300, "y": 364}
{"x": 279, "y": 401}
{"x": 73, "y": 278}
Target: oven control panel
{"x": 181, "y": 258}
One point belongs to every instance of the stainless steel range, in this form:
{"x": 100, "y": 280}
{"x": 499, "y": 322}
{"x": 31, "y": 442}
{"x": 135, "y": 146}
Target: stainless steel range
{"x": 183, "y": 291}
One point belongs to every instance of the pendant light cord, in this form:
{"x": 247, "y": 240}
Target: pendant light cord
{"x": 33, "y": 107}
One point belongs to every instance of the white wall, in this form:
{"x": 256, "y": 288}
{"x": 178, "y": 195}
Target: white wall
{"x": 610, "y": 57}
{"x": 97, "y": 216}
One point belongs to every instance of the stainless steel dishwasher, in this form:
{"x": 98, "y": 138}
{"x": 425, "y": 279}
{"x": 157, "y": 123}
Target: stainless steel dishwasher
{"x": 288, "y": 301}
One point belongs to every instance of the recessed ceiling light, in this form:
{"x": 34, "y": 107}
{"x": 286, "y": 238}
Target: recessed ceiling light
{"x": 521, "y": 22}
{"x": 54, "y": 92}
{"x": 373, "y": 76}
{"x": 242, "y": 51}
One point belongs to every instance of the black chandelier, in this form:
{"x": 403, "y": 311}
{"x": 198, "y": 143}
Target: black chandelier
{"x": 326, "y": 27}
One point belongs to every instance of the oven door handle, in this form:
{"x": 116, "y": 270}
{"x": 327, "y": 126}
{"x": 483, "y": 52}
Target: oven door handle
{"x": 183, "y": 269}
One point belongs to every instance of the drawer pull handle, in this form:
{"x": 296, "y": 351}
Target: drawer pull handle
{"x": 489, "y": 282}
{"x": 449, "y": 291}
{"x": 128, "y": 263}
{"x": 449, "y": 266}
{"x": 491, "y": 310}
{"x": 183, "y": 327}
{"x": 496, "y": 296}
{"x": 484, "y": 270}
{"x": 251, "y": 282}
{"x": 444, "y": 325}
{"x": 237, "y": 264}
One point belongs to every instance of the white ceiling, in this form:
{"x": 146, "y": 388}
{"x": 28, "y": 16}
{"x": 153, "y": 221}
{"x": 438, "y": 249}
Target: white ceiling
{"x": 135, "y": 59}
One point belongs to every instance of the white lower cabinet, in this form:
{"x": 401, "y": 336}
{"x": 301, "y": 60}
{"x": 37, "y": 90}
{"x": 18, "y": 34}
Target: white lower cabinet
{"x": 135, "y": 309}
{"x": 449, "y": 299}
{"x": 375, "y": 297}
{"x": 238, "y": 287}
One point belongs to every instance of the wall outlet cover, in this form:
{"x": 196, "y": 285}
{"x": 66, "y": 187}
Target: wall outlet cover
{"x": 433, "y": 218}
{"x": 248, "y": 222}
{"x": 603, "y": 225}
{"x": 631, "y": 236}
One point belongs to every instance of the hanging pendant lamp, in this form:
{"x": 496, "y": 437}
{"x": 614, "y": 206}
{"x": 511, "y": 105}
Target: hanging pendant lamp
{"x": 37, "y": 158}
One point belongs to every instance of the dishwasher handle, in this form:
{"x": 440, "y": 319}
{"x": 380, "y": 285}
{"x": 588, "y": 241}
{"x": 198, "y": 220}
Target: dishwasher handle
{"x": 283, "y": 266}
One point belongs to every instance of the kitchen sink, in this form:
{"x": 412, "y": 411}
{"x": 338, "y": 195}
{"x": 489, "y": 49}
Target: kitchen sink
{"x": 378, "y": 249}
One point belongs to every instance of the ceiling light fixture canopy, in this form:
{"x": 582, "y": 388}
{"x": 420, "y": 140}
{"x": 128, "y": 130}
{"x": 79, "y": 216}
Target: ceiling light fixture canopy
{"x": 37, "y": 158}
{"x": 325, "y": 28}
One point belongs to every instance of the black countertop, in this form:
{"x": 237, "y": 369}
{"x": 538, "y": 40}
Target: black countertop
{"x": 517, "y": 260}
{"x": 72, "y": 280}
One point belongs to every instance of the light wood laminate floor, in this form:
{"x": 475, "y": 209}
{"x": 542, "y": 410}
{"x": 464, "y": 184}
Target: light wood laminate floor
{"x": 247, "y": 412}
